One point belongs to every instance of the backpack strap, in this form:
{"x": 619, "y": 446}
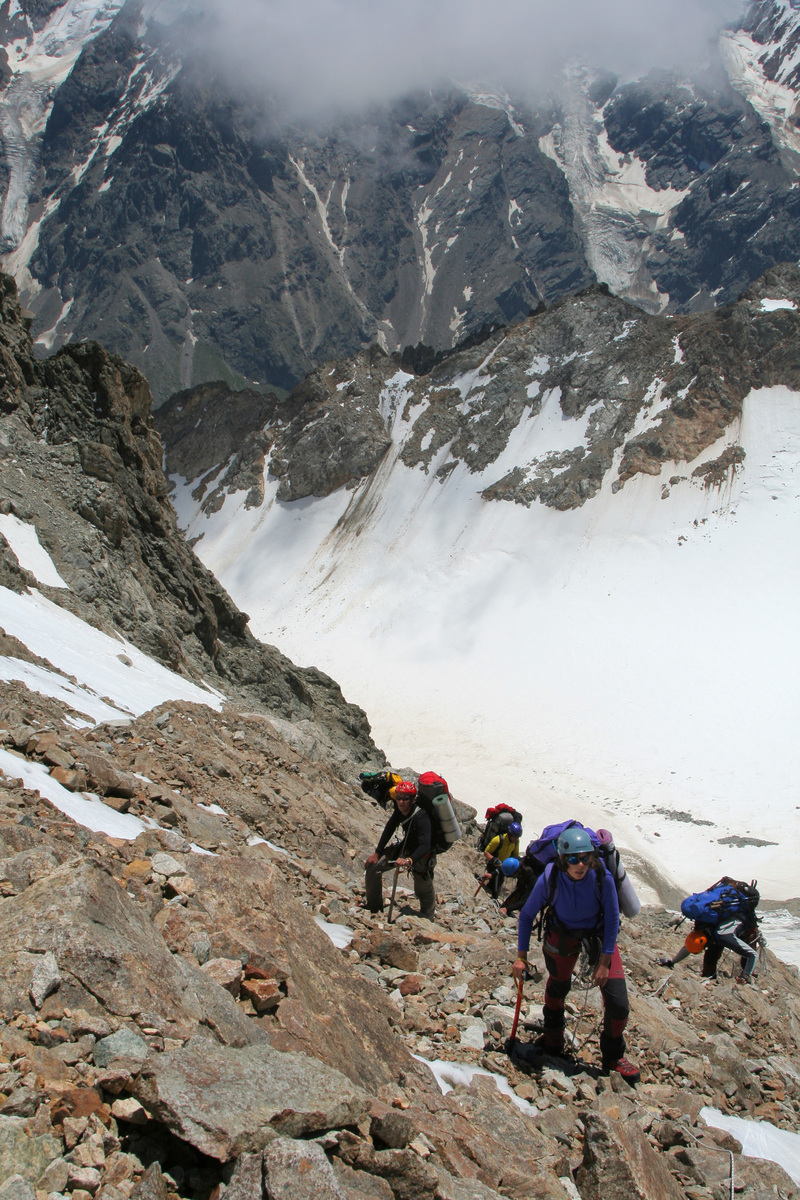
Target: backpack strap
{"x": 545, "y": 911}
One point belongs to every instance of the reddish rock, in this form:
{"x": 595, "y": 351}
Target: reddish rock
{"x": 120, "y": 804}
{"x": 68, "y": 777}
{"x": 78, "y": 1102}
{"x": 264, "y": 994}
{"x": 227, "y": 972}
{"x": 251, "y": 971}
{"x": 411, "y": 985}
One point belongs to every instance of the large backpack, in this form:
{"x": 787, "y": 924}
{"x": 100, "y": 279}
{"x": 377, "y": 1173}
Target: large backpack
{"x": 433, "y": 795}
{"x": 727, "y": 900}
{"x": 493, "y": 825}
{"x": 378, "y": 783}
{"x": 542, "y": 851}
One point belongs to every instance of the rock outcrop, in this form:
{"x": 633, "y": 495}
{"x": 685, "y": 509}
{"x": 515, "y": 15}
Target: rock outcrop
{"x": 82, "y": 460}
{"x": 631, "y": 391}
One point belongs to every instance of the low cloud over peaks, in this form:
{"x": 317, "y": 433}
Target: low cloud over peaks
{"x": 326, "y": 56}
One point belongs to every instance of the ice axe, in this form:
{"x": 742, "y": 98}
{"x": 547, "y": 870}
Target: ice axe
{"x": 515, "y": 1022}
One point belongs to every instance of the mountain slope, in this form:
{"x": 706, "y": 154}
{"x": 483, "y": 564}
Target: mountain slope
{"x": 176, "y": 218}
{"x": 564, "y": 564}
{"x": 81, "y": 460}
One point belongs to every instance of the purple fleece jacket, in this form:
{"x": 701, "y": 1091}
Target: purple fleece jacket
{"x": 576, "y": 906}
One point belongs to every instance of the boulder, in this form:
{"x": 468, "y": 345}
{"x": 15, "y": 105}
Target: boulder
{"x": 358, "y": 1185}
{"x": 394, "y": 951}
{"x": 295, "y": 1170}
{"x": 226, "y": 1102}
{"x": 227, "y": 972}
{"x": 107, "y": 948}
{"x": 166, "y": 865}
{"x": 23, "y": 1152}
{"x": 46, "y": 979}
{"x": 394, "y": 1129}
{"x": 330, "y": 1013}
{"x": 407, "y": 1175}
{"x": 122, "y": 1044}
{"x": 247, "y": 1179}
{"x": 104, "y": 776}
{"x": 16, "y": 1188}
{"x": 620, "y": 1164}
{"x": 151, "y": 1186}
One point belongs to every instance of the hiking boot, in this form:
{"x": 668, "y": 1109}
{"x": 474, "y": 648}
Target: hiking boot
{"x": 743, "y": 979}
{"x": 547, "y": 1044}
{"x": 630, "y": 1073}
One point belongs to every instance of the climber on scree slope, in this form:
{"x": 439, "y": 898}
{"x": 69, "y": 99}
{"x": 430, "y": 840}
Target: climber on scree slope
{"x": 579, "y": 899}
{"x": 724, "y": 918}
{"x": 412, "y": 849}
{"x": 499, "y": 850}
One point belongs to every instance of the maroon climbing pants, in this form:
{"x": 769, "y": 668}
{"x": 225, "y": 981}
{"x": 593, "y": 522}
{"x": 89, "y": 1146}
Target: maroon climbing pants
{"x": 561, "y": 953}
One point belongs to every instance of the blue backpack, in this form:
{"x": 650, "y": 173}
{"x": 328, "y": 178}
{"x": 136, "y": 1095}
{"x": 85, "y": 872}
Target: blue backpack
{"x": 727, "y": 900}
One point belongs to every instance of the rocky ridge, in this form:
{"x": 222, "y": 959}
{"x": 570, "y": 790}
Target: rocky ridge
{"x": 636, "y": 390}
{"x": 175, "y": 1024}
{"x": 81, "y": 460}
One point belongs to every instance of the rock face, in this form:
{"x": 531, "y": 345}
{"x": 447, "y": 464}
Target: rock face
{"x": 79, "y": 426}
{"x": 180, "y": 223}
{"x": 635, "y": 391}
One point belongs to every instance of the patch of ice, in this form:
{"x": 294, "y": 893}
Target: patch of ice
{"x": 93, "y": 658}
{"x": 782, "y": 932}
{"x": 340, "y": 935}
{"x": 50, "y": 683}
{"x": 31, "y": 555}
{"x": 774, "y": 305}
{"x": 774, "y": 101}
{"x": 86, "y": 810}
{"x": 449, "y": 1075}
{"x": 760, "y": 1139}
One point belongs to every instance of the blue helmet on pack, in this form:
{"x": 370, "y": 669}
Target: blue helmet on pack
{"x": 574, "y": 840}
{"x": 514, "y": 830}
{"x": 509, "y": 866}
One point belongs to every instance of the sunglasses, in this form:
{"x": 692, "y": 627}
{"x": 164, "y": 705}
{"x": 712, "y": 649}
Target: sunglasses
{"x": 573, "y": 859}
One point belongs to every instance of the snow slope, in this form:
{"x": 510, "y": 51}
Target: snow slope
{"x": 101, "y": 677}
{"x": 634, "y": 661}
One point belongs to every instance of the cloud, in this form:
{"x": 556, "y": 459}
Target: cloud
{"x": 324, "y": 56}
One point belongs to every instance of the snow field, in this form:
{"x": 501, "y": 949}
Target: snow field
{"x": 114, "y": 679}
{"x": 623, "y": 663}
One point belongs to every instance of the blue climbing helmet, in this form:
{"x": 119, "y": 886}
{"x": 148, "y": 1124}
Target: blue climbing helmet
{"x": 509, "y": 866}
{"x": 574, "y": 840}
{"x": 514, "y": 830}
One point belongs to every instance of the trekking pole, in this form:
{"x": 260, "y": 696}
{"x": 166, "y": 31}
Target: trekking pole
{"x": 402, "y": 854}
